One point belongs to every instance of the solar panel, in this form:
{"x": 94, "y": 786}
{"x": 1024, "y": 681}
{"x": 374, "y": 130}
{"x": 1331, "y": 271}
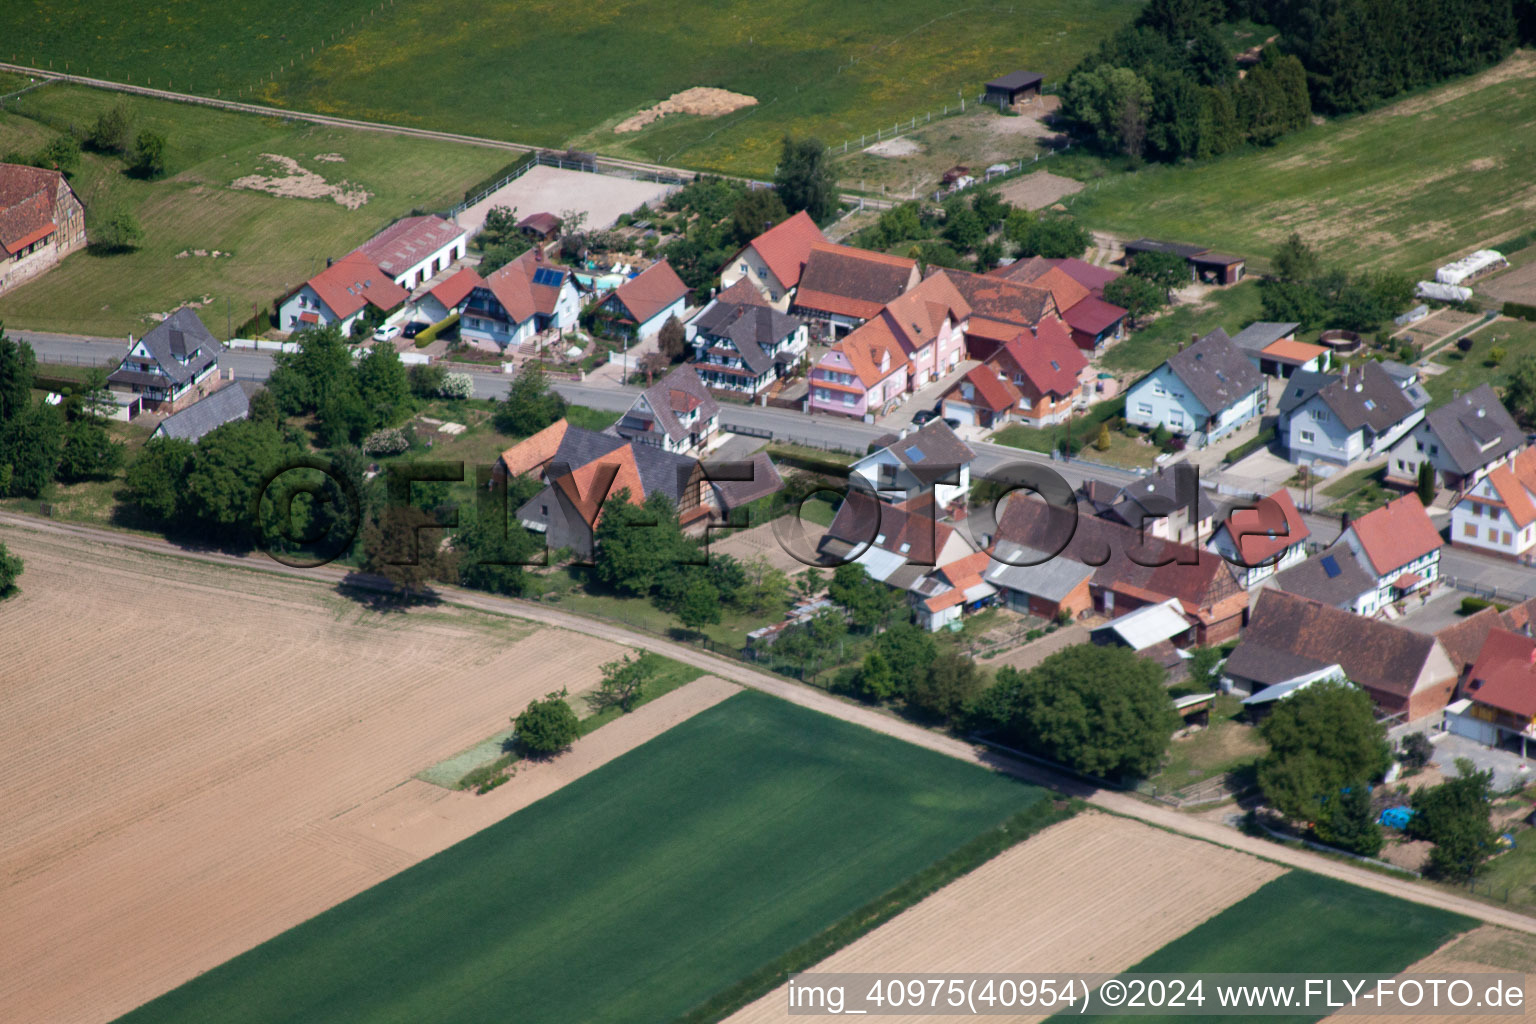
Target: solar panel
{"x": 1055, "y": 365}
{"x": 546, "y": 276}
{"x": 1331, "y": 566}
{"x": 915, "y": 454}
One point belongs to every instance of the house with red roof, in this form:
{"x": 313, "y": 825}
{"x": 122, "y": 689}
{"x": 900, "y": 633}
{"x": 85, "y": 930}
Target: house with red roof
{"x": 640, "y": 306}
{"x": 774, "y": 260}
{"x": 341, "y": 294}
{"x": 1267, "y": 537}
{"x": 841, "y": 287}
{"x": 1037, "y": 376}
{"x": 1400, "y": 545}
{"x": 1498, "y": 696}
{"x": 449, "y": 295}
{"x": 41, "y": 222}
{"x": 519, "y": 300}
{"x": 1078, "y": 291}
{"x": 413, "y": 250}
{"x": 1498, "y": 514}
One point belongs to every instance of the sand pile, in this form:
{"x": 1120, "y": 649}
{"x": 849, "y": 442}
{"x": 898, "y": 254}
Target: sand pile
{"x": 700, "y": 100}
{"x": 299, "y": 183}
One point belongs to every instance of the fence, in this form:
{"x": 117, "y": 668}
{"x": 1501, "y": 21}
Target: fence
{"x": 262, "y": 345}
{"x": 900, "y": 129}
{"x": 103, "y": 360}
{"x": 1489, "y": 593}
{"x": 1322, "y": 848}
{"x": 596, "y": 165}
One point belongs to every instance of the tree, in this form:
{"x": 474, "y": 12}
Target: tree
{"x": 671, "y": 340}
{"x": 1294, "y": 302}
{"x": 1426, "y": 483}
{"x": 1100, "y": 710}
{"x": 1457, "y": 817}
{"x": 492, "y": 559}
{"x": 426, "y": 379}
{"x": 876, "y": 680}
{"x": 88, "y": 452}
{"x": 383, "y": 385}
{"x": 18, "y": 370}
{"x": 1322, "y": 739}
{"x": 990, "y": 207}
{"x": 531, "y": 404}
{"x": 804, "y": 179}
{"x": 1520, "y": 392}
{"x": 109, "y": 134}
{"x": 756, "y": 211}
{"x": 62, "y": 154}
{"x": 766, "y": 587}
{"x": 962, "y": 226}
{"x": 1167, "y": 270}
{"x": 157, "y": 477}
{"x": 624, "y": 682}
{"x": 403, "y": 545}
{"x": 1417, "y": 751}
{"x": 1051, "y": 237}
{"x": 494, "y": 257}
{"x": 1101, "y": 441}
{"x": 303, "y": 381}
{"x": 636, "y": 543}
{"x": 30, "y": 444}
{"x": 868, "y": 601}
{"x": 148, "y": 155}
{"x": 947, "y": 688}
{"x": 1349, "y": 824}
{"x": 546, "y": 726}
{"x": 1296, "y": 262}
{"x": 1136, "y": 295}
{"x": 1205, "y": 667}
{"x": 228, "y": 464}
{"x": 911, "y": 648}
{"x": 1111, "y": 103}
{"x": 700, "y": 607}
{"x": 118, "y": 231}
{"x": 10, "y": 571}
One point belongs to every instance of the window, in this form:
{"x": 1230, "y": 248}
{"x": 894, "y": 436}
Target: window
{"x": 1320, "y": 415}
{"x": 1469, "y": 530}
{"x": 1157, "y": 389}
{"x": 1507, "y": 538}
{"x": 1307, "y": 437}
{"x": 1434, "y": 449}
{"x": 1144, "y": 408}
{"x": 1493, "y": 534}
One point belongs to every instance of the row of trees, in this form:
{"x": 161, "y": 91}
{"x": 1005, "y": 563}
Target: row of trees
{"x": 973, "y": 231}
{"x": 1302, "y": 289}
{"x": 40, "y": 443}
{"x": 349, "y": 399}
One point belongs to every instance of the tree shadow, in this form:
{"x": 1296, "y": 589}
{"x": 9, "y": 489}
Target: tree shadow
{"x": 379, "y": 595}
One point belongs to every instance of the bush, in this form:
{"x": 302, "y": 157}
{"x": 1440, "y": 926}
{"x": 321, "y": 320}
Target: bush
{"x": 1416, "y": 752}
{"x": 458, "y": 385}
{"x": 1464, "y": 344}
{"x": 390, "y": 441}
{"x": 430, "y": 335}
{"x": 1471, "y": 605}
{"x": 547, "y": 726}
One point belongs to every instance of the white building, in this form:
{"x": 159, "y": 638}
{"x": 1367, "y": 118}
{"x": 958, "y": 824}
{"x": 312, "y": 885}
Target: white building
{"x": 1263, "y": 540}
{"x": 169, "y": 368}
{"x": 516, "y": 302}
{"x": 930, "y": 459}
{"x": 1400, "y": 545}
{"x": 415, "y": 249}
{"x": 340, "y": 294}
{"x": 1498, "y": 514}
{"x": 1359, "y": 413}
{"x": 641, "y": 306}
{"x": 1210, "y": 388}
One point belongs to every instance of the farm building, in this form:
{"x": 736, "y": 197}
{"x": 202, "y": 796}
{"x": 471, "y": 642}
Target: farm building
{"x": 229, "y": 403}
{"x": 1276, "y": 352}
{"x": 170, "y": 367}
{"x": 41, "y": 222}
{"x": 1204, "y": 264}
{"x": 414, "y": 249}
{"x": 1013, "y": 87}
{"x": 1498, "y": 698}
{"x": 1034, "y": 583}
{"x": 541, "y": 227}
{"x": 940, "y": 598}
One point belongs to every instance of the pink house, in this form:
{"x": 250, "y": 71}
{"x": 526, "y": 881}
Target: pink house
{"x": 929, "y": 323}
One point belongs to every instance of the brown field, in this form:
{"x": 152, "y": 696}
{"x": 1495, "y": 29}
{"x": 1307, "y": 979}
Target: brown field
{"x": 1517, "y": 285}
{"x": 1093, "y": 894}
{"x": 1487, "y": 950}
{"x": 194, "y": 758}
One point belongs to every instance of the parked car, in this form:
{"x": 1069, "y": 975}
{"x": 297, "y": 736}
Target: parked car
{"x": 414, "y": 328}
{"x": 386, "y": 333}
{"x": 954, "y": 424}
{"x": 922, "y": 416}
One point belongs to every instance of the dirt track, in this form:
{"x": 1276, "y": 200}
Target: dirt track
{"x": 1093, "y": 894}
{"x": 192, "y": 762}
{"x": 1484, "y": 951}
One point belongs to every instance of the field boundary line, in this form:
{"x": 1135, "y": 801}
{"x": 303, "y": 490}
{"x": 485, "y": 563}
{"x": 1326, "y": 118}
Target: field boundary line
{"x": 816, "y": 700}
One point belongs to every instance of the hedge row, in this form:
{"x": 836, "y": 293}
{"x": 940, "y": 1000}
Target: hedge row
{"x": 1520, "y": 311}
{"x": 429, "y": 335}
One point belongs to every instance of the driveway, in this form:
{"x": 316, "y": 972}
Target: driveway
{"x": 1508, "y": 767}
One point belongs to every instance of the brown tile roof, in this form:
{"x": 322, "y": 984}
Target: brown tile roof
{"x": 851, "y": 282}
{"x": 933, "y": 445}
{"x": 997, "y": 298}
{"x": 1048, "y": 357}
{"x": 1464, "y": 639}
{"x": 1396, "y": 534}
{"x": 1093, "y": 315}
{"x": 26, "y": 205}
{"x": 742, "y": 293}
{"x": 1288, "y": 636}
{"x": 656, "y": 288}
{"x": 1504, "y": 675}
{"x": 765, "y": 481}
{"x": 917, "y": 317}
{"x": 408, "y": 241}
{"x": 582, "y": 484}
{"x": 532, "y": 453}
{"x": 456, "y": 288}
{"x": 346, "y": 285}
{"x": 1260, "y": 534}
{"x": 1065, "y": 289}
{"x": 786, "y": 246}
{"x": 543, "y": 223}
{"x": 992, "y": 392}
{"x": 681, "y": 390}
{"x": 865, "y": 520}
{"x": 512, "y": 284}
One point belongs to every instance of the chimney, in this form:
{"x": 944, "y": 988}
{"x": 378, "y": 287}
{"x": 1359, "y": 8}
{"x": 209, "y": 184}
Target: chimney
{"x": 1481, "y": 412}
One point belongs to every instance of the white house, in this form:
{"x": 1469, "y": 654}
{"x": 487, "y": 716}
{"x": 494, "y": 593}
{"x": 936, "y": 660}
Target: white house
{"x": 1263, "y": 540}
{"x": 1463, "y": 440}
{"x": 171, "y": 365}
{"x": 415, "y": 249}
{"x": 1498, "y": 513}
{"x": 1359, "y": 413}
{"x": 1400, "y": 545}
{"x": 774, "y": 260}
{"x": 930, "y": 459}
{"x": 1210, "y": 388}
{"x": 677, "y": 413}
{"x": 517, "y": 301}
{"x": 340, "y": 294}
{"x": 746, "y": 346}
{"x": 642, "y": 305}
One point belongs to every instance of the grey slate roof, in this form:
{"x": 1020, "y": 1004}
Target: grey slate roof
{"x": 659, "y": 397}
{"x": 1015, "y": 80}
{"x": 1053, "y": 579}
{"x": 1175, "y": 248}
{"x": 1334, "y": 577}
{"x": 182, "y": 336}
{"x": 1149, "y": 496}
{"x": 1262, "y": 334}
{"x": 934, "y": 444}
{"x": 660, "y": 470}
{"x": 765, "y": 481}
{"x": 1302, "y": 385}
{"x": 1475, "y": 428}
{"x": 1367, "y": 396}
{"x": 752, "y": 329}
{"x": 1216, "y": 371}
{"x": 225, "y": 405}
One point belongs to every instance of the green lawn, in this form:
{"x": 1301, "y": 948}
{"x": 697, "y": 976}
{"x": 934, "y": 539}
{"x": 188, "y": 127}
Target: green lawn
{"x": 558, "y": 74}
{"x": 1302, "y": 922}
{"x": 276, "y": 242}
{"x": 1226, "y": 745}
{"x": 1084, "y": 429}
{"x": 1465, "y": 371}
{"x": 635, "y": 892}
{"x": 1359, "y": 492}
{"x": 1404, "y": 187}
{"x": 1229, "y": 308}
{"x": 1510, "y": 877}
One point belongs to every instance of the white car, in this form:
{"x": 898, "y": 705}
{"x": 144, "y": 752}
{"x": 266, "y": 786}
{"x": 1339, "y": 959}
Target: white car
{"x": 386, "y": 333}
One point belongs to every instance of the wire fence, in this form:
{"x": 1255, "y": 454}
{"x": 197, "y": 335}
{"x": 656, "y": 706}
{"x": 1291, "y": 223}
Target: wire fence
{"x": 901, "y": 128}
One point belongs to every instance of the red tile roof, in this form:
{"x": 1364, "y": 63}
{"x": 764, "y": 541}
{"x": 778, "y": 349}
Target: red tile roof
{"x": 456, "y": 288}
{"x": 1504, "y": 675}
{"x": 1396, "y": 534}
{"x": 407, "y": 242}
{"x": 786, "y": 246}
{"x": 532, "y": 452}
{"x": 1297, "y": 352}
{"x": 353, "y": 280}
{"x": 1063, "y": 287}
{"x": 865, "y": 346}
{"x": 26, "y": 204}
{"x": 543, "y": 223}
{"x": 1093, "y": 315}
{"x": 583, "y": 484}
{"x": 917, "y": 317}
{"x": 1048, "y": 357}
{"x": 1514, "y": 483}
{"x": 656, "y": 288}
{"x": 996, "y": 298}
{"x": 1086, "y": 274}
{"x": 742, "y": 293}
{"x": 992, "y": 392}
{"x": 1262, "y": 532}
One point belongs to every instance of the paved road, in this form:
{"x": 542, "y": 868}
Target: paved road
{"x": 1110, "y": 800}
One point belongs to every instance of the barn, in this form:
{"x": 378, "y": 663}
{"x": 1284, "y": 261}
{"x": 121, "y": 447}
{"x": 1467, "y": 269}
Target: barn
{"x": 1008, "y": 90}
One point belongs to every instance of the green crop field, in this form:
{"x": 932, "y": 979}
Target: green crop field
{"x": 1302, "y": 923}
{"x": 556, "y": 74}
{"x": 1405, "y": 187}
{"x": 632, "y": 894}
{"x": 275, "y": 242}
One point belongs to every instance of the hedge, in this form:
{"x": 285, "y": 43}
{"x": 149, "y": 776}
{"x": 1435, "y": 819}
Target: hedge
{"x": 429, "y": 335}
{"x": 1520, "y": 311}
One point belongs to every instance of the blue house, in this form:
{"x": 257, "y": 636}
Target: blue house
{"x": 1205, "y": 391}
